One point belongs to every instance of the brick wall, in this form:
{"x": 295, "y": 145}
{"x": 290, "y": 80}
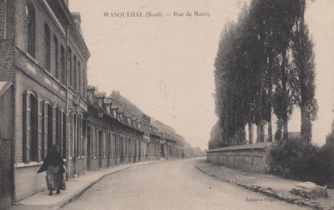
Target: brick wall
{"x": 7, "y": 28}
{"x": 250, "y": 157}
{"x": 28, "y": 182}
{"x": 22, "y": 84}
{"x": 42, "y": 17}
{"x": 30, "y": 74}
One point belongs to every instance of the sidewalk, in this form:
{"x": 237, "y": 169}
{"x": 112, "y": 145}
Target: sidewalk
{"x": 74, "y": 188}
{"x": 272, "y": 186}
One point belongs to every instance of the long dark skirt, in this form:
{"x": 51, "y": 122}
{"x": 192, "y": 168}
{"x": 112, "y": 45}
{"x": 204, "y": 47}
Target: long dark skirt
{"x": 54, "y": 177}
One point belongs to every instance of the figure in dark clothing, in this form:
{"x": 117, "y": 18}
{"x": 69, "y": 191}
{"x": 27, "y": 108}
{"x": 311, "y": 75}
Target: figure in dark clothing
{"x": 54, "y": 166}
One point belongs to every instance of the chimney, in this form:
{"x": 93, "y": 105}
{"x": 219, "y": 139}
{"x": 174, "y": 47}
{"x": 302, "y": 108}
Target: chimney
{"x": 90, "y": 94}
{"x": 107, "y": 104}
{"x": 115, "y": 93}
{"x": 99, "y": 98}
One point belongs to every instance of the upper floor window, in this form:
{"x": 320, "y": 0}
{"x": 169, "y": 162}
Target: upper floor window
{"x": 30, "y": 12}
{"x": 69, "y": 66}
{"x": 62, "y": 64}
{"x": 55, "y": 40}
{"x": 79, "y": 78}
{"x": 74, "y": 73}
{"x": 83, "y": 83}
{"x": 47, "y": 46}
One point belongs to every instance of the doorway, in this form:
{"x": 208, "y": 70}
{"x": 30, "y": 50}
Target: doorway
{"x": 89, "y": 156}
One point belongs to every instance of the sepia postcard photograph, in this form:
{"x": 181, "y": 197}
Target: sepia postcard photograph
{"x": 154, "y": 105}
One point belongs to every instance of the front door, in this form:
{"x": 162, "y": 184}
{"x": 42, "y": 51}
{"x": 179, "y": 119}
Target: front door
{"x": 89, "y": 150}
{"x": 108, "y": 149}
{"x": 100, "y": 149}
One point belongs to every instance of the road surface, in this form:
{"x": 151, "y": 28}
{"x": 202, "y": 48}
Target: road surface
{"x": 170, "y": 185}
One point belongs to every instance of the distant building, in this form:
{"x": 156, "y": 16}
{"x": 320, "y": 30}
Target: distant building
{"x": 114, "y": 136}
{"x": 151, "y": 136}
{"x": 294, "y": 135}
{"x": 197, "y": 152}
{"x": 172, "y": 145}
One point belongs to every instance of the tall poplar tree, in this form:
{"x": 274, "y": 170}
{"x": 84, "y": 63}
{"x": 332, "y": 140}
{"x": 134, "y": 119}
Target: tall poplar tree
{"x": 303, "y": 60}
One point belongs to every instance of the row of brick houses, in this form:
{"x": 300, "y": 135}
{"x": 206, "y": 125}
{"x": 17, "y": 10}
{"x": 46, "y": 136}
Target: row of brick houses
{"x": 45, "y": 100}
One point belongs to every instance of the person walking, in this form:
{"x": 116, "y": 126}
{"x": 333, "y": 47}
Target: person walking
{"x": 54, "y": 166}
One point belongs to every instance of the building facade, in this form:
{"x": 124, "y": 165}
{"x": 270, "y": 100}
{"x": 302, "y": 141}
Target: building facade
{"x": 44, "y": 57}
{"x": 114, "y": 136}
{"x": 172, "y": 145}
{"x": 45, "y": 100}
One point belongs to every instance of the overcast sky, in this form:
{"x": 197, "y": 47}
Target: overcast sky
{"x": 164, "y": 65}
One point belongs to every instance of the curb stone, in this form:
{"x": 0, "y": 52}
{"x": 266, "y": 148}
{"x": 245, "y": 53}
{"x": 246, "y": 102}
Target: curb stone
{"x": 80, "y": 192}
{"x": 271, "y": 193}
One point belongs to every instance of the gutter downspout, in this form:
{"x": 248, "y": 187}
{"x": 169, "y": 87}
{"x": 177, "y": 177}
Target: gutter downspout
{"x": 108, "y": 155}
{"x": 135, "y": 141}
{"x": 67, "y": 114}
{"x": 5, "y": 22}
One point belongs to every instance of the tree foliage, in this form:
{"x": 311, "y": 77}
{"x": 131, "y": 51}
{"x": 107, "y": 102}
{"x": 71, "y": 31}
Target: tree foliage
{"x": 264, "y": 66}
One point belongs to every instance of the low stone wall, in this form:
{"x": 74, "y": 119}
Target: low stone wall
{"x": 248, "y": 157}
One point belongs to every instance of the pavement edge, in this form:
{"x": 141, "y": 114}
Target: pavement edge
{"x": 78, "y": 194}
{"x": 270, "y": 193}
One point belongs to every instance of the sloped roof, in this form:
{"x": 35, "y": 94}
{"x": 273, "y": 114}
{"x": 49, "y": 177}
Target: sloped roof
{"x": 126, "y": 105}
{"x": 157, "y": 125}
{"x": 166, "y": 129}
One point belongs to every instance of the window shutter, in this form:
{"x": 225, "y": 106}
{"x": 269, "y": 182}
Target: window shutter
{"x": 68, "y": 126}
{"x": 39, "y": 130}
{"x": 61, "y": 133}
{"x": 104, "y": 136}
{"x": 45, "y": 129}
{"x": 79, "y": 138}
{"x": 54, "y": 125}
{"x": 26, "y": 143}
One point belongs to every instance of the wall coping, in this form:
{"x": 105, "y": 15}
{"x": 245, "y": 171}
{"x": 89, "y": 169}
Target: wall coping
{"x": 261, "y": 145}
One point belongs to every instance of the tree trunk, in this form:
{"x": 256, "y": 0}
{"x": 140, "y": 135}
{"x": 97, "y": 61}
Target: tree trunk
{"x": 270, "y": 135}
{"x": 278, "y": 134}
{"x": 270, "y": 93}
{"x": 243, "y": 135}
{"x": 285, "y": 92}
{"x": 259, "y": 129}
{"x": 250, "y": 132}
{"x": 305, "y": 128}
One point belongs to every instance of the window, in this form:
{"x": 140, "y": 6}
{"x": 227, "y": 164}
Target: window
{"x": 84, "y": 134}
{"x": 55, "y": 40}
{"x": 79, "y": 79}
{"x": 62, "y": 64}
{"x": 48, "y": 128}
{"x": 71, "y": 134}
{"x": 75, "y": 136}
{"x": 100, "y": 144}
{"x": 64, "y": 148}
{"x": 84, "y": 83}
{"x": 96, "y": 152}
{"x": 30, "y": 12}
{"x": 47, "y": 46}
{"x": 105, "y": 148}
{"x": 32, "y": 134}
{"x": 69, "y": 65}
{"x": 79, "y": 136}
{"x": 74, "y": 83}
{"x": 57, "y": 115}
